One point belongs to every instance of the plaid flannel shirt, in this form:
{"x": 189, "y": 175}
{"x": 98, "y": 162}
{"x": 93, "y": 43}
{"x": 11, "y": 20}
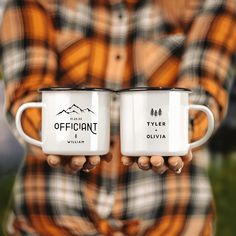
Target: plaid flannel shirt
{"x": 115, "y": 44}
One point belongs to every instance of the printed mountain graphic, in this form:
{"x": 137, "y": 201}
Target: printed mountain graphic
{"x": 74, "y": 109}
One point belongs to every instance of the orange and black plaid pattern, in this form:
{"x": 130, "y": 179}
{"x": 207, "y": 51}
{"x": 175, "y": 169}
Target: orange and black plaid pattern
{"x": 115, "y": 44}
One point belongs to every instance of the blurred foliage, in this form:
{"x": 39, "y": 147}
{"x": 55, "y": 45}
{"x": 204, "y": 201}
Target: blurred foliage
{"x": 6, "y": 184}
{"x": 222, "y": 174}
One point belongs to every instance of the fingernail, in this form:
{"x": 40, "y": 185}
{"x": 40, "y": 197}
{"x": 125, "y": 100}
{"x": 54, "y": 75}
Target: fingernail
{"x": 174, "y": 164}
{"x": 53, "y": 161}
{"x": 145, "y": 167}
{"x": 94, "y": 160}
{"x": 178, "y": 171}
{"x": 158, "y": 164}
{"x": 94, "y": 163}
{"x": 144, "y": 164}
{"x": 76, "y": 163}
{"x": 126, "y": 163}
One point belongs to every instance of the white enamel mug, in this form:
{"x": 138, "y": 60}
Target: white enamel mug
{"x": 154, "y": 121}
{"x": 75, "y": 121}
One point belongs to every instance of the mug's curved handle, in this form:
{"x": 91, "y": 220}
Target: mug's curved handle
{"x": 18, "y": 122}
{"x": 210, "y": 128}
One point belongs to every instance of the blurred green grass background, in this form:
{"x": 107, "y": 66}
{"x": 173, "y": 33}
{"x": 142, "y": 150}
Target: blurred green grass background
{"x": 222, "y": 173}
{"x": 6, "y": 185}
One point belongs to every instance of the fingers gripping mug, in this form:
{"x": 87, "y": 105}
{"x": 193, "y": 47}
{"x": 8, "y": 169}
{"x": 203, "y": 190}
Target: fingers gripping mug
{"x": 154, "y": 121}
{"x": 75, "y": 121}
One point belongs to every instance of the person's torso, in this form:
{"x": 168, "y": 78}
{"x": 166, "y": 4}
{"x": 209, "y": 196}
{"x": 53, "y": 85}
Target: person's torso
{"x": 117, "y": 43}
{"x": 113, "y": 44}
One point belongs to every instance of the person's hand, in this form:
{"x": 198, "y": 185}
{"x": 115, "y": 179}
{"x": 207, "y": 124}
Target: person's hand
{"x": 159, "y": 164}
{"x": 73, "y": 164}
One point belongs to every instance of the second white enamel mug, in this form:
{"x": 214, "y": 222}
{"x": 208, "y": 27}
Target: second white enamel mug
{"x": 154, "y": 121}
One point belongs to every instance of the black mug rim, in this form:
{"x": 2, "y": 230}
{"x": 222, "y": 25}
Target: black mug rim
{"x": 64, "y": 89}
{"x": 172, "y": 89}
{"x": 131, "y": 89}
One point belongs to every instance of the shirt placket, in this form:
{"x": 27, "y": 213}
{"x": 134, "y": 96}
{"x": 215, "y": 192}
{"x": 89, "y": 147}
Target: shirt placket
{"x": 114, "y": 75}
{"x": 117, "y": 57}
{"x": 117, "y": 54}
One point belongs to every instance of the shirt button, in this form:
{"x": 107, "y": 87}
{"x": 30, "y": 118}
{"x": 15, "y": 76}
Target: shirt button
{"x": 118, "y": 57}
{"x": 120, "y": 15}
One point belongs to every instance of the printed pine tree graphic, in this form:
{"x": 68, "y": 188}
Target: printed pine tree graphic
{"x": 152, "y": 112}
{"x": 156, "y": 112}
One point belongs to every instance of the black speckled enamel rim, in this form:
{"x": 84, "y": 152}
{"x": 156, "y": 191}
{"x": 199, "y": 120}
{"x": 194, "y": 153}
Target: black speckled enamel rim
{"x": 63, "y": 89}
{"x": 136, "y": 89}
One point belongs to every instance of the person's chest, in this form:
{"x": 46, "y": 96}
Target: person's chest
{"x": 115, "y": 45}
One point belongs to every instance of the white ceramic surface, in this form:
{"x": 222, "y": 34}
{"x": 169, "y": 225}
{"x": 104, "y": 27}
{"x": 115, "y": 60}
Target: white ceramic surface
{"x": 155, "y": 122}
{"x": 74, "y": 122}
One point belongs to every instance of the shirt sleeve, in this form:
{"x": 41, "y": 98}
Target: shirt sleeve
{"x": 28, "y": 58}
{"x": 209, "y": 59}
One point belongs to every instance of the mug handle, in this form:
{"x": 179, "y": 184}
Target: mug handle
{"x": 18, "y": 122}
{"x": 210, "y": 128}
